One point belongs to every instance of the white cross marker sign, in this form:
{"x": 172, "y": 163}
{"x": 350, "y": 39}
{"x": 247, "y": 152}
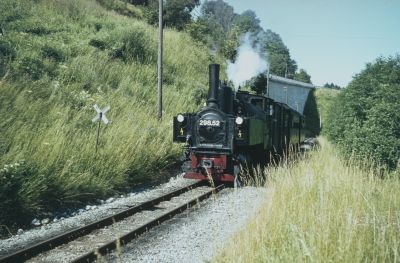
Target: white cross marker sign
{"x": 101, "y": 114}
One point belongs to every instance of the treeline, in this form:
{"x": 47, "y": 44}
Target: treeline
{"x": 364, "y": 119}
{"x": 217, "y": 25}
{"x": 332, "y": 86}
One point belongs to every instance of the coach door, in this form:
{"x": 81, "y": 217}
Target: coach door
{"x": 286, "y": 120}
{"x": 276, "y": 124}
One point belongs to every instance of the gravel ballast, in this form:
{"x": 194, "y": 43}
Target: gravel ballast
{"x": 199, "y": 234}
{"x": 88, "y": 215}
{"x": 99, "y": 237}
{"x": 194, "y": 236}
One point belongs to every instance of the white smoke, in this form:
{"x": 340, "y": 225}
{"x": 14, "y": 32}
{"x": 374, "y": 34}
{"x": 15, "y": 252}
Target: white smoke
{"x": 249, "y": 63}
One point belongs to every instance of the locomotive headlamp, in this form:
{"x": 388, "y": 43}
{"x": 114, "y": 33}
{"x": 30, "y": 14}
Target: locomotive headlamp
{"x": 239, "y": 120}
{"x": 180, "y": 118}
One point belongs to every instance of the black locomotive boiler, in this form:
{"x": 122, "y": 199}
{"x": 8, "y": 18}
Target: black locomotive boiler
{"x": 234, "y": 128}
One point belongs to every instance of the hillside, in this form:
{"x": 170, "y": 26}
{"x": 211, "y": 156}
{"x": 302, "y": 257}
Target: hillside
{"x": 59, "y": 58}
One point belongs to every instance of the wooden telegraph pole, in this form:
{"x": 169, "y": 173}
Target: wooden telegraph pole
{"x": 160, "y": 58}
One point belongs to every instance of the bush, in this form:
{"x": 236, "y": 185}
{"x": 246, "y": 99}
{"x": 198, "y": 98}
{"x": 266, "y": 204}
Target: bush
{"x": 34, "y": 67}
{"x": 7, "y": 54}
{"x": 6, "y": 49}
{"x": 12, "y": 178}
{"x": 364, "y": 119}
{"x": 53, "y": 52}
{"x": 134, "y": 45}
{"x": 98, "y": 43}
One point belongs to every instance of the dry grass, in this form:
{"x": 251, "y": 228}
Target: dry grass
{"x": 321, "y": 210}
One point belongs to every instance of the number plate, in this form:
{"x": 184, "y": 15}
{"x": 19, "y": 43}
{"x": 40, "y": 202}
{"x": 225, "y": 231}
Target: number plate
{"x": 214, "y": 123}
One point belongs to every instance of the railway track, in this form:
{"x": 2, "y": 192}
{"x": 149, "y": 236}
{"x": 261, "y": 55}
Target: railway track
{"x": 93, "y": 241}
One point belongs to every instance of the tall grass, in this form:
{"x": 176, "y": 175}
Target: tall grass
{"x": 62, "y": 58}
{"x": 321, "y": 210}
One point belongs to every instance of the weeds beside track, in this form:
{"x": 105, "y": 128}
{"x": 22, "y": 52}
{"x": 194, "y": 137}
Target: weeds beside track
{"x": 322, "y": 209}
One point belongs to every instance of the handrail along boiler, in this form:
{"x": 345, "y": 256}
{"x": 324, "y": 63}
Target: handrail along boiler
{"x": 234, "y": 128}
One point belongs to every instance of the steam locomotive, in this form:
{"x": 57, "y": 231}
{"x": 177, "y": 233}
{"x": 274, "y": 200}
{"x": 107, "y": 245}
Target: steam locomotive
{"x": 233, "y": 129}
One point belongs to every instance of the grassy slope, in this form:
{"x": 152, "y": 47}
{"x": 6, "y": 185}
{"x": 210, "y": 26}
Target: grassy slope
{"x": 322, "y": 209}
{"x": 69, "y": 55}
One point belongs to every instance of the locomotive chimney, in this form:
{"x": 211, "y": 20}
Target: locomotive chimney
{"x": 212, "y": 100}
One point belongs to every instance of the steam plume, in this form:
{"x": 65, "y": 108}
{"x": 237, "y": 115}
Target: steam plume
{"x": 249, "y": 63}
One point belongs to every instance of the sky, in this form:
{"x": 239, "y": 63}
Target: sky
{"x": 331, "y": 39}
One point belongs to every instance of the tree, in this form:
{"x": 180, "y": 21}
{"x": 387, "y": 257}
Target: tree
{"x": 367, "y": 122}
{"x": 303, "y": 76}
{"x": 278, "y": 54}
{"x": 222, "y": 29}
{"x": 332, "y": 86}
{"x": 177, "y": 13}
{"x": 220, "y": 13}
{"x": 247, "y": 22}
{"x": 213, "y": 27}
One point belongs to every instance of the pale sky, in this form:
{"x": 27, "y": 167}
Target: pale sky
{"x": 332, "y": 40}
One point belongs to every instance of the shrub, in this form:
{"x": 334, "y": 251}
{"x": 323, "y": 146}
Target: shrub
{"x": 12, "y": 178}
{"x": 11, "y": 11}
{"x": 6, "y": 49}
{"x": 364, "y": 119}
{"x": 98, "y": 43}
{"x": 54, "y": 53}
{"x": 34, "y": 67}
{"x": 134, "y": 45}
{"x": 121, "y": 7}
{"x": 7, "y": 53}
{"x": 38, "y": 30}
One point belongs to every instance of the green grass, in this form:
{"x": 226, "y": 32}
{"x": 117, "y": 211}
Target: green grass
{"x": 59, "y": 58}
{"x": 322, "y": 210}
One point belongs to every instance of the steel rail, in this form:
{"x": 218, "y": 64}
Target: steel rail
{"x": 111, "y": 246}
{"x": 46, "y": 245}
